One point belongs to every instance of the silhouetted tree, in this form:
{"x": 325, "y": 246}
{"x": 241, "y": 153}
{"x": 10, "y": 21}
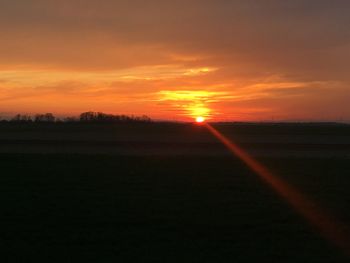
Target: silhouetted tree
{"x": 88, "y": 116}
{"x": 47, "y": 117}
{"x": 106, "y": 118}
{"x": 21, "y": 118}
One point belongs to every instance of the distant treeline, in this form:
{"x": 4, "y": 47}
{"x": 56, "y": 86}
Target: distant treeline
{"x": 86, "y": 117}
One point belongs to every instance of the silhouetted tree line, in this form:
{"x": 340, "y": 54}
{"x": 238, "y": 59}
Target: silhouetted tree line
{"x": 86, "y": 117}
{"x": 91, "y": 116}
{"x": 47, "y": 117}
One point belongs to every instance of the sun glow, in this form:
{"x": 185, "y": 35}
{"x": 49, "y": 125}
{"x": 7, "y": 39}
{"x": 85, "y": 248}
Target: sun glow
{"x": 191, "y": 104}
{"x": 200, "y": 119}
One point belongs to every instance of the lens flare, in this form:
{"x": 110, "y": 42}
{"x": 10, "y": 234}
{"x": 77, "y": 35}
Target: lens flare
{"x": 328, "y": 226}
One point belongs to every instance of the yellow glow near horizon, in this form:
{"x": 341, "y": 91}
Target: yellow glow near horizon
{"x": 199, "y": 109}
{"x": 191, "y": 103}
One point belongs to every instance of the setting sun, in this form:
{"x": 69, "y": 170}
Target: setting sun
{"x": 200, "y": 119}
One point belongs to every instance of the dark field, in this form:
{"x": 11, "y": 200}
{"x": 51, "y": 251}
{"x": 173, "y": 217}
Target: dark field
{"x": 167, "y": 193}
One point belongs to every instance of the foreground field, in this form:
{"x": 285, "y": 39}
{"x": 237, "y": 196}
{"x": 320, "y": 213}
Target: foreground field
{"x": 171, "y": 139}
{"x": 164, "y": 208}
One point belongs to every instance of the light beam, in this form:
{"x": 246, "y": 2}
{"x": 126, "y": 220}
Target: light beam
{"x": 329, "y": 227}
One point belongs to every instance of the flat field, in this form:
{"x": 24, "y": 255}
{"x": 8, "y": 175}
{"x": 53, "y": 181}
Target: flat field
{"x": 167, "y": 192}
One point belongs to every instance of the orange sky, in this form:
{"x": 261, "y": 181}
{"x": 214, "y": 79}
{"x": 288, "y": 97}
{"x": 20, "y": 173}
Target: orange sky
{"x": 224, "y": 60}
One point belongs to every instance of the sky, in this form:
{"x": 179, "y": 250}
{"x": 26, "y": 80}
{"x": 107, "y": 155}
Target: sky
{"x": 248, "y": 60}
